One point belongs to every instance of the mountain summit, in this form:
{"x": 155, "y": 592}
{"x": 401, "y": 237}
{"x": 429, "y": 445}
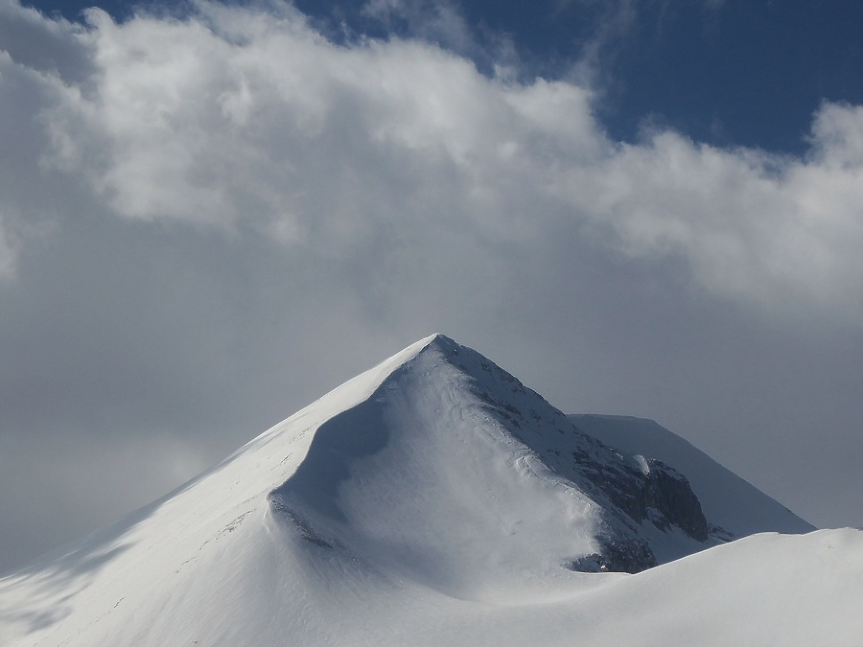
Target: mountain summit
{"x": 432, "y": 493}
{"x": 454, "y": 473}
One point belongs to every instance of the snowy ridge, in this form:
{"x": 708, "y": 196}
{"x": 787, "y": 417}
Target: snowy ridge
{"x": 431, "y": 500}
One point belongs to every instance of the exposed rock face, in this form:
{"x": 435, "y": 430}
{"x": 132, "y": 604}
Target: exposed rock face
{"x": 616, "y": 556}
{"x": 668, "y": 493}
{"x": 655, "y": 492}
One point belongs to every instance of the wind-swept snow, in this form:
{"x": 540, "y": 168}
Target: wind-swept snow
{"x": 436, "y": 500}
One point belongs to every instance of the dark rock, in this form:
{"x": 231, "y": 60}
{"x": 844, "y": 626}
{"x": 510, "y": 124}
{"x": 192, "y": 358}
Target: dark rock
{"x": 616, "y": 556}
{"x": 668, "y": 492}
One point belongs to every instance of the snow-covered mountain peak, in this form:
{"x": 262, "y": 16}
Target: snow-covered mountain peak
{"x": 426, "y": 477}
{"x": 432, "y": 479}
{"x": 449, "y": 439}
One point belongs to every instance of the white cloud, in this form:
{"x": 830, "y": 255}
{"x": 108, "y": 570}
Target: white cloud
{"x": 751, "y": 225}
{"x": 241, "y": 117}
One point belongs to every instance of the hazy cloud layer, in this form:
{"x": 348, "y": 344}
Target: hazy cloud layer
{"x": 207, "y": 222}
{"x": 242, "y": 118}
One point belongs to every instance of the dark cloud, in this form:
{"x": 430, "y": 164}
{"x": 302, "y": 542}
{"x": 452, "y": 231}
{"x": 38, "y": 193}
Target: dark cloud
{"x": 49, "y": 47}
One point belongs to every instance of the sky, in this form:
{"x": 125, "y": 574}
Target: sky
{"x": 213, "y": 213}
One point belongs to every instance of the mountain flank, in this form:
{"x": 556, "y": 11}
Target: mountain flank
{"x": 433, "y": 497}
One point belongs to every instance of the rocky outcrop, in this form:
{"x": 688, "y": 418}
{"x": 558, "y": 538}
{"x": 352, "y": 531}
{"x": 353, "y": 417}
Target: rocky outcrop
{"x": 631, "y": 490}
{"x": 667, "y": 492}
{"x": 617, "y": 556}
{"x": 646, "y": 489}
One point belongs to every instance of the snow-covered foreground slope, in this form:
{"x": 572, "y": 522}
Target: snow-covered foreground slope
{"x": 435, "y": 500}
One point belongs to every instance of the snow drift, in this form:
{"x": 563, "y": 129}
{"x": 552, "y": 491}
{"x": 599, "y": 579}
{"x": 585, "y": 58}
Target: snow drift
{"x": 436, "y": 500}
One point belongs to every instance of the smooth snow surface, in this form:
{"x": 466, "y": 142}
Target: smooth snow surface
{"x": 421, "y": 504}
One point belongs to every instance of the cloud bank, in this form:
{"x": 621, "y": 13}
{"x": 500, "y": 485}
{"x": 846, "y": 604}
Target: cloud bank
{"x": 249, "y": 118}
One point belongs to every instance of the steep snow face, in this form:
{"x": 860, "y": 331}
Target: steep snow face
{"x": 456, "y": 475}
{"x": 426, "y": 500}
{"x": 201, "y": 565}
{"x": 425, "y": 482}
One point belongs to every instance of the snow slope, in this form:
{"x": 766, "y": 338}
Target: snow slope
{"x": 432, "y": 500}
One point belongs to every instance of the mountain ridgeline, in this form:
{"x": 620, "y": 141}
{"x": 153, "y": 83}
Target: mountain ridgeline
{"x": 451, "y": 401}
{"x": 629, "y": 491}
{"x": 434, "y": 499}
